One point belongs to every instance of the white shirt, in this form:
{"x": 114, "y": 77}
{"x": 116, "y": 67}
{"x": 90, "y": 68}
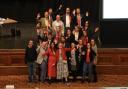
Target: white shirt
{"x": 67, "y": 21}
{"x": 57, "y": 24}
{"x": 76, "y": 36}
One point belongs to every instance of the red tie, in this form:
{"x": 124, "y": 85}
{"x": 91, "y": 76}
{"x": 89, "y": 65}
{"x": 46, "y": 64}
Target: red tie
{"x": 88, "y": 56}
{"x": 78, "y": 20}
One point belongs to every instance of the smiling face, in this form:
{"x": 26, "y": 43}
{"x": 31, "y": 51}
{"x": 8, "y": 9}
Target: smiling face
{"x": 46, "y": 14}
{"x": 68, "y": 10}
{"x": 52, "y": 45}
{"x": 58, "y": 17}
{"x": 60, "y": 45}
{"x": 30, "y": 43}
{"x": 78, "y": 10}
{"x": 88, "y": 46}
{"x": 50, "y": 11}
{"x": 80, "y": 42}
{"x": 68, "y": 32}
{"x": 92, "y": 42}
{"x": 43, "y": 44}
{"x": 72, "y": 45}
{"x": 76, "y": 28}
{"x": 86, "y": 23}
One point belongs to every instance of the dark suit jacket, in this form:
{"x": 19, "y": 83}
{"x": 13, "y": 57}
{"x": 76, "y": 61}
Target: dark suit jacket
{"x": 71, "y": 19}
{"x": 92, "y": 55}
{"x": 69, "y": 40}
{"x": 30, "y": 54}
{"x": 75, "y": 20}
{"x": 79, "y": 36}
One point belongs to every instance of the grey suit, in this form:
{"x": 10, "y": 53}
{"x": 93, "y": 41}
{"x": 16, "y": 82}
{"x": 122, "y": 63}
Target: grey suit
{"x": 42, "y": 61}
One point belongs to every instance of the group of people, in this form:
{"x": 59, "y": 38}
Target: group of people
{"x": 67, "y": 46}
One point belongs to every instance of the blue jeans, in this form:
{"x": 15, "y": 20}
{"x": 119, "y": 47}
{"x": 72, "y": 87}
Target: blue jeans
{"x": 31, "y": 71}
{"x": 88, "y": 69}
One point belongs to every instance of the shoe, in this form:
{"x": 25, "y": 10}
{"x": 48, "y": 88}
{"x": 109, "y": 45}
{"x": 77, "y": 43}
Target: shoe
{"x": 67, "y": 83}
{"x": 30, "y": 81}
{"x": 89, "y": 81}
{"x": 82, "y": 81}
{"x": 49, "y": 82}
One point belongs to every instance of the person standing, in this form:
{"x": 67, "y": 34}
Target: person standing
{"x": 45, "y": 22}
{"x": 62, "y": 66}
{"x": 51, "y": 52}
{"x": 81, "y": 56}
{"x": 30, "y": 57}
{"x": 77, "y": 33}
{"x": 58, "y": 26}
{"x": 78, "y": 18}
{"x": 42, "y": 60}
{"x": 88, "y": 27}
{"x": 96, "y": 35}
{"x": 94, "y": 48}
{"x": 88, "y": 64}
{"x": 67, "y": 19}
{"x": 69, "y": 38}
{"x": 73, "y": 58}
{"x": 85, "y": 38}
{"x": 51, "y": 15}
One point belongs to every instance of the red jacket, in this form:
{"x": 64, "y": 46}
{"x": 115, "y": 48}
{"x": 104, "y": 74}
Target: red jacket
{"x": 63, "y": 53}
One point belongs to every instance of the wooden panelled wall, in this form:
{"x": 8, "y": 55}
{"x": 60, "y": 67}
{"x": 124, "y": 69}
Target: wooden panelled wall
{"x": 111, "y": 61}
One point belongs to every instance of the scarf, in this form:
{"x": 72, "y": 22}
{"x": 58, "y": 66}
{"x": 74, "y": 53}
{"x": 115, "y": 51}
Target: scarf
{"x": 88, "y": 56}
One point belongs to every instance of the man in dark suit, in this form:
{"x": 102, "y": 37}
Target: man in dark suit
{"x": 67, "y": 19}
{"x": 78, "y": 18}
{"x": 51, "y": 15}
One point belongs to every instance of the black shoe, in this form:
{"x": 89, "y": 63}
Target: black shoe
{"x": 30, "y": 81}
{"x": 89, "y": 81}
{"x": 67, "y": 83}
{"x": 49, "y": 82}
{"x": 82, "y": 81}
{"x": 74, "y": 78}
{"x": 94, "y": 81}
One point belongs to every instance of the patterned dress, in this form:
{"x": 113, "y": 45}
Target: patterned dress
{"x": 73, "y": 60}
{"x": 62, "y": 67}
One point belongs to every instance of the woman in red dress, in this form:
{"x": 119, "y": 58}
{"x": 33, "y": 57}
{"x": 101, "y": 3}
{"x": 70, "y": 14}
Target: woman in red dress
{"x": 51, "y": 52}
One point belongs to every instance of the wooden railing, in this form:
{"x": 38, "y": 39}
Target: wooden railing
{"x": 111, "y": 61}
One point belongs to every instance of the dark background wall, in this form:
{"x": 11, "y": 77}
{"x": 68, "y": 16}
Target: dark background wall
{"x": 113, "y": 33}
{"x": 25, "y": 10}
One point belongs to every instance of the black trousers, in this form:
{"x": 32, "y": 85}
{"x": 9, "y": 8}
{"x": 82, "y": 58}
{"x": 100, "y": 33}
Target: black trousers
{"x": 95, "y": 73}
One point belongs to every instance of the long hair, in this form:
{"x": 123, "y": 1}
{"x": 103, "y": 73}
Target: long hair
{"x": 53, "y": 49}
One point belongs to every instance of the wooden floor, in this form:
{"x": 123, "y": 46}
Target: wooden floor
{"x": 21, "y": 82}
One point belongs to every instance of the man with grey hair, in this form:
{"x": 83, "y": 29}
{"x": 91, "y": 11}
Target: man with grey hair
{"x": 42, "y": 60}
{"x": 58, "y": 25}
